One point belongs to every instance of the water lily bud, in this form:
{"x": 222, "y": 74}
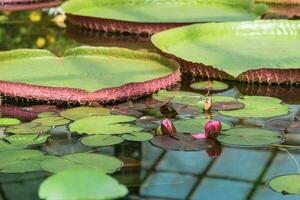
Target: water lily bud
{"x": 212, "y": 129}
{"x": 167, "y": 126}
{"x": 208, "y": 104}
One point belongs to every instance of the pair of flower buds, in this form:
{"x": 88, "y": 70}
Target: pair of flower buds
{"x": 211, "y": 129}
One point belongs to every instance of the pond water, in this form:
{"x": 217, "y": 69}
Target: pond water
{"x": 150, "y": 172}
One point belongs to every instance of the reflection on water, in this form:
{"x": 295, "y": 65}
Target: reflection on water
{"x": 151, "y": 172}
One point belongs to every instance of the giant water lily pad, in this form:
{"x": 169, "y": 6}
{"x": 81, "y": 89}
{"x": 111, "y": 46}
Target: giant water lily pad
{"x": 77, "y": 184}
{"x": 111, "y": 124}
{"x": 182, "y": 142}
{"x": 83, "y": 112}
{"x": 27, "y": 128}
{"x": 151, "y": 16}
{"x": 287, "y": 184}
{"x": 6, "y": 146}
{"x": 195, "y": 125}
{"x": 138, "y": 136}
{"x": 9, "y": 121}
{"x": 101, "y": 140}
{"x": 55, "y": 164}
{"x": 112, "y": 74}
{"x": 20, "y": 161}
{"x": 15, "y": 5}
{"x": 244, "y": 50}
{"x": 259, "y": 107}
{"x": 250, "y": 137}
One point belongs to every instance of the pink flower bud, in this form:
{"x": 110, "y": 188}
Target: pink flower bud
{"x": 168, "y": 127}
{"x": 212, "y": 129}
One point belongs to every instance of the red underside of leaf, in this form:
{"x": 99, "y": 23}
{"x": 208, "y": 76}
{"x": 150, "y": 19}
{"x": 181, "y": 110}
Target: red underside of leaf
{"x": 72, "y": 95}
{"x": 27, "y": 4}
{"x": 110, "y": 25}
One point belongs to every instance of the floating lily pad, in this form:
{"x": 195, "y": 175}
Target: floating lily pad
{"x": 250, "y": 137}
{"x": 5, "y": 146}
{"x": 90, "y": 184}
{"x": 195, "y": 125}
{"x": 51, "y": 121}
{"x": 8, "y": 5}
{"x": 27, "y": 139}
{"x": 138, "y": 136}
{"x": 182, "y": 142}
{"x": 48, "y": 114}
{"x": 284, "y": 124}
{"x": 84, "y": 112}
{"x": 259, "y": 107}
{"x": 55, "y": 164}
{"x": 108, "y": 125}
{"x": 119, "y": 13}
{"x": 209, "y": 85}
{"x": 68, "y": 79}
{"x": 287, "y": 184}
{"x": 27, "y": 128}
{"x": 180, "y": 97}
{"x": 101, "y": 140}
{"x": 227, "y": 105}
{"x": 9, "y": 121}
{"x": 20, "y": 161}
{"x": 244, "y": 50}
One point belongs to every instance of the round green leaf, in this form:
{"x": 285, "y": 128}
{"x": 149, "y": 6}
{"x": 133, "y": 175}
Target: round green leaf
{"x": 189, "y": 98}
{"x": 101, "y": 140}
{"x": 27, "y": 128}
{"x": 9, "y": 121}
{"x": 20, "y": 161}
{"x": 195, "y": 125}
{"x": 51, "y": 121}
{"x": 5, "y": 146}
{"x": 209, "y": 85}
{"x": 27, "y": 139}
{"x": 287, "y": 184}
{"x": 145, "y": 11}
{"x": 259, "y": 107}
{"x": 138, "y": 136}
{"x": 55, "y": 164}
{"x": 236, "y": 47}
{"x": 84, "y": 112}
{"x": 250, "y": 137}
{"x": 111, "y": 124}
{"x": 77, "y": 184}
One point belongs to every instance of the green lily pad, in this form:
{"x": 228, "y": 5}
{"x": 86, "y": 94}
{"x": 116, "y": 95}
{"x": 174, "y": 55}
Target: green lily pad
{"x": 195, "y": 125}
{"x": 250, "y": 137}
{"x": 5, "y": 146}
{"x": 236, "y": 47}
{"x": 27, "y": 128}
{"x": 155, "y": 11}
{"x": 77, "y": 184}
{"x": 68, "y": 79}
{"x": 55, "y": 164}
{"x": 189, "y": 98}
{"x": 138, "y": 136}
{"x": 9, "y": 121}
{"x": 259, "y": 107}
{"x": 84, "y": 112}
{"x": 48, "y": 114}
{"x": 101, "y": 140}
{"x": 51, "y": 121}
{"x": 20, "y": 161}
{"x": 209, "y": 85}
{"x": 111, "y": 124}
{"x": 27, "y": 139}
{"x": 287, "y": 184}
